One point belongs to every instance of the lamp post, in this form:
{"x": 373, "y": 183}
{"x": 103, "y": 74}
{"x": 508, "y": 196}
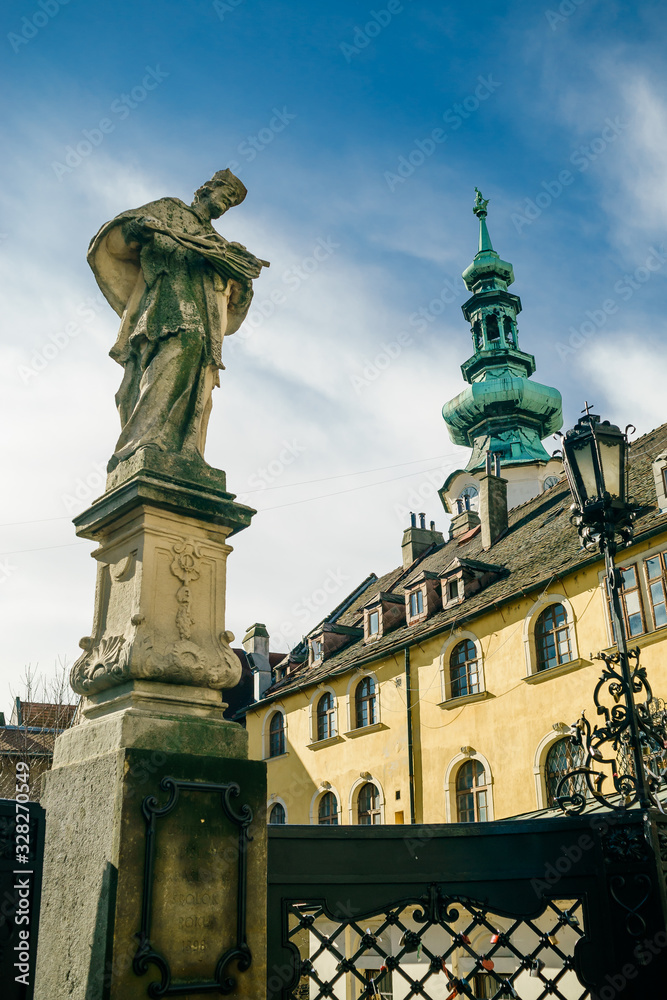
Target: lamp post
{"x": 595, "y": 458}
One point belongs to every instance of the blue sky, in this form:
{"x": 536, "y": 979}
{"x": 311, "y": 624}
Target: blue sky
{"x": 360, "y": 132}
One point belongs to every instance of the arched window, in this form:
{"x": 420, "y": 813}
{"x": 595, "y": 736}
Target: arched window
{"x": 326, "y": 717}
{"x": 365, "y": 703}
{"x": 368, "y": 805}
{"x": 477, "y": 335}
{"x": 492, "y": 329}
{"x": 563, "y": 756}
{"x": 472, "y": 793}
{"x": 464, "y": 670}
{"x": 509, "y": 332}
{"x": 327, "y": 810}
{"x": 277, "y": 815}
{"x": 277, "y": 735}
{"x": 552, "y": 638}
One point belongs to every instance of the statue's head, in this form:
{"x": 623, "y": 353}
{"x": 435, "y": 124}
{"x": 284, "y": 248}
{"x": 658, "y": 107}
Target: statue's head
{"x": 223, "y": 191}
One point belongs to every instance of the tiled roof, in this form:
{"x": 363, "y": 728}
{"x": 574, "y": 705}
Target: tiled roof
{"x": 539, "y": 545}
{"x": 26, "y": 741}
{"x": 45, "y": 715}
{"x": 242, "y": 693}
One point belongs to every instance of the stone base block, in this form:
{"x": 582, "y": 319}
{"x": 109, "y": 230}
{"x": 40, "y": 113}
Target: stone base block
{"x": 155, "y": 698}
{"x": 115, "y": 780}
{"x": 176, "y": 468}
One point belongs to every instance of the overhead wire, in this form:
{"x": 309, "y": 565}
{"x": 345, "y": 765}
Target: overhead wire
{"x": 283, "y": 486}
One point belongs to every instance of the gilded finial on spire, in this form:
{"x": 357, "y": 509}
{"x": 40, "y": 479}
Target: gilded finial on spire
{"x": 479, "y": 208}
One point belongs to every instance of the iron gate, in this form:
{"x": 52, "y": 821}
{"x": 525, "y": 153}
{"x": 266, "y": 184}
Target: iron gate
{"x": 567, "y": 907}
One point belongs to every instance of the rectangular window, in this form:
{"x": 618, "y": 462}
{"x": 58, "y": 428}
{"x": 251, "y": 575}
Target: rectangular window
{"x": 416, "y": 603}
{"x": 453, "y": 589}
{"x": 374, "y": 623}
{"x": 631, "y": 603}
{"x": 316, "y": 646}
{"x": 656, "y": 574}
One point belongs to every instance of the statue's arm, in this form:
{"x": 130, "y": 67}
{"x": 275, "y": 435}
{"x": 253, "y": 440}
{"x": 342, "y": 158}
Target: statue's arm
{"x": 138, "y": 231}
{"x": 122, "y": 242}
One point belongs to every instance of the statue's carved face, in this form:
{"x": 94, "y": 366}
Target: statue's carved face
{"x": 215, "y": 199}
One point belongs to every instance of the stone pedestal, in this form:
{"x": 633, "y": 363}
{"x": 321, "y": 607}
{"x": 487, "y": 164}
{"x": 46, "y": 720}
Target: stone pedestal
{"x": 160, "y": 594}
{"x": 155, "y": 859}
{"x": 106, "y": 774}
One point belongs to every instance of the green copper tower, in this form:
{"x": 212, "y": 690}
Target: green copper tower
{"x": 502, "y": 410}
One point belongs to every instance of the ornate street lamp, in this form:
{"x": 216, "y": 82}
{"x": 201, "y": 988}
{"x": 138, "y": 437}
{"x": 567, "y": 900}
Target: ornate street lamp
{"x": 595, "y": 459}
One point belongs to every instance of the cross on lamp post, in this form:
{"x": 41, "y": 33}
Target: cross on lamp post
{"x": 595, "y": 459}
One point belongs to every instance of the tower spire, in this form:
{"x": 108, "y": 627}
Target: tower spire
{"x": 479, "y": 208}
{"x": 501, "y": 410}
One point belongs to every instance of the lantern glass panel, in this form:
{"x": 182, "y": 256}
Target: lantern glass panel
{"x": 583, "y": 459}
{"x": 611, "y": 460}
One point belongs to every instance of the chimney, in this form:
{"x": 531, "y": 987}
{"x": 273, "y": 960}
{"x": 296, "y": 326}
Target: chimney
{"x": 463, "y": 522}
{"x": 493, "y": 508}
{"x": 256, "y": 645}
{"x": 416, "y": 540}
{"x": 493, "y": 463}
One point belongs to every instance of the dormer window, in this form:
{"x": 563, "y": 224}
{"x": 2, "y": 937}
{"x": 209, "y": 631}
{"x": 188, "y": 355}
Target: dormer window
{"x": 422, "y": 597}
{"x": 416, "y": 603}
{"x": 464, "y": 577}
{"x": 330, "y": 638}
{"x": 385, "y": 612}
{"x": 659, "y": 466}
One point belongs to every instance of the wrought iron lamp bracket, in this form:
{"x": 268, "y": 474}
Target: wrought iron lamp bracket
{"x": 608, "y": 746}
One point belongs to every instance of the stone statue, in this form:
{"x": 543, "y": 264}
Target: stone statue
{"x": 179, "y": 288}
{"x": 479, "y": 208}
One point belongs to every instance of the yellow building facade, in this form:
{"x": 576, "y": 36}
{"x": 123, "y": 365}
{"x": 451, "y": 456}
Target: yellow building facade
{"x": 455, "y": 705}
{"x": 443, "y": 691}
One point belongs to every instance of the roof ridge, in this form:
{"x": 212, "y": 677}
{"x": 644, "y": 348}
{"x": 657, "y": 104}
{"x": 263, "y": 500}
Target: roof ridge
{"x": 646, "y": 433}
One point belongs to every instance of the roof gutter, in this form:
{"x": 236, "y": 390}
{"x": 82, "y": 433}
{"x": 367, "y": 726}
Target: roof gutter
{"x": 411, "y": 749}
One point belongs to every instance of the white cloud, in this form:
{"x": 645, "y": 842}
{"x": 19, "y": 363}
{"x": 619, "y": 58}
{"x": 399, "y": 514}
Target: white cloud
{"x": 630, "y": 377}
{"x": 290, "y": 381}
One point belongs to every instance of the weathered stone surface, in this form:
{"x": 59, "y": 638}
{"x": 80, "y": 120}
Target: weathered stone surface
{"x": 153, "y": 669}
{"x": 149, "y": 726}
{"x": 160, "y": 593}
{"x": 95, "y": 856}
{"x": 179, "y": 288}
{"x": 155, "y": 698}
{"x": 175, "y": 470}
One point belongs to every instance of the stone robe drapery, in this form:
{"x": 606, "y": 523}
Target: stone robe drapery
{"x": 179, "y": 288}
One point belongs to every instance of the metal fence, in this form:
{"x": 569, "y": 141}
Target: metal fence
{"x": 556, "y": 907}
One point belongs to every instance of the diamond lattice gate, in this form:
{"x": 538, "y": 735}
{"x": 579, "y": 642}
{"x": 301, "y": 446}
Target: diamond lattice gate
{"x": 563, "y": 907}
